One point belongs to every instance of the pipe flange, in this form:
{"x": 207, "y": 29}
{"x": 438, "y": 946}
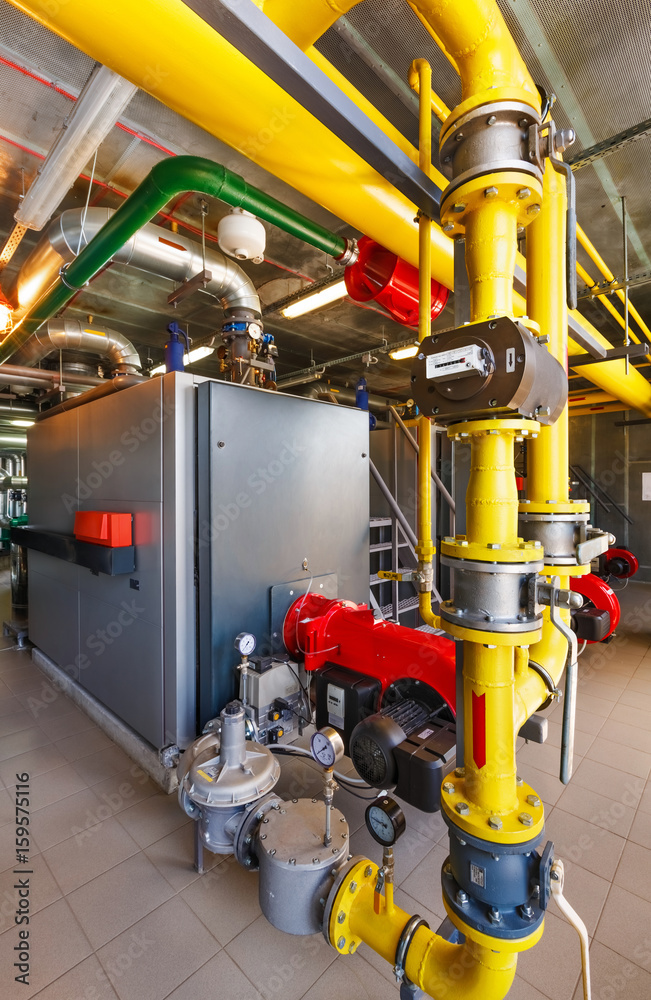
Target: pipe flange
{"x": 245, "y": 840}
{"x": 404, "y": 942}
{"x": 486, "y": 137}
{"x": 481, "y": 622}
{"x": 355, "y": 864}
{"x": 511, "y": 182}
{"x": 350, "y": 254}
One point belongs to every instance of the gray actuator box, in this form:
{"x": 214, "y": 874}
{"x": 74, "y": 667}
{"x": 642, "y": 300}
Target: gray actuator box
{"x": 488, "y": 369}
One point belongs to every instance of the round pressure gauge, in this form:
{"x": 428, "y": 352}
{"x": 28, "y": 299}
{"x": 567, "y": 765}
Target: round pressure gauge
{"x": 327, "y": 747}
{"x": 254, "y": 331}
{"x": 245, "y": 643}
{"x": 385, "y": 821}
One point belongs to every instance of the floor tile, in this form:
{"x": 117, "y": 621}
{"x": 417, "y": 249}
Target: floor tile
{"x": 10, "y": 705}
{"x": 634, "y": 870}
{"x": 351, "y": 977}
{"x": 83, "y": 744}
{"x": 640, "y": 832}
{"x": 153, "y": 819}
{"x": 15, "y": 722}
{"x": 66, "y": 818}
{"x": 174, "y": 857}
{"x": 87, "y": 981}
{"x": 645, "y": 801}
{"x": 613, "y": 976}
{"x": 112, "y": 902}
{"x": 639, "y": 700}
{"x": 547, "y": 786}
{"x": 554, "y": 964}
{"x": 22, "y": 742}
{"x": 225, "y": 881}
{"x": 54, "y": 785}
{"x": 125, "y": 789}
{"x": 158, "y": 953}
{"x": 233, "y": 984}
{"x": 424, "y": 882}
{"x": 624, "y": 926}
{"x": 57, "y": 944}
{"x": 102, "y": 765}
{"x": 278, "y": 964}
{"x": 85, "y": 856}
{"x": 639, "y": 685}
{"x": 58, "y": 727}
{"x": 22, "y": 679}
{"x": 587, "y": 893}
{"x": 609, "y": 781}
{"x": 622, "y": 758}
{"x": 522, "y": 990}
{"x": 582, "y": 843}
{"x": 627, "y": 735}
{"x": 602, "y": 810}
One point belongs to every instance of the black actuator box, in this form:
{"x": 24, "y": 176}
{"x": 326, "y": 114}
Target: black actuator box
{"x": 423, "y": 760}
{"x": 343, "y": 698}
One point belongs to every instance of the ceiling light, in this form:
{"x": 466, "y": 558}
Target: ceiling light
{"x": 316, "y": 299}
{"x": 95, "y": 112}
{"x": 196, "y": 355}
{"x": 409, "y": 351}
{"x": 23, "y": 423}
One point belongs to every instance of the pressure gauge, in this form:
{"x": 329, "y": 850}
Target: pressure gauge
{"x": 385, "y": 821}
{"x": 254, "y": 331}
{"x": 245, "y": 643}
{"x": 327, "y": 747}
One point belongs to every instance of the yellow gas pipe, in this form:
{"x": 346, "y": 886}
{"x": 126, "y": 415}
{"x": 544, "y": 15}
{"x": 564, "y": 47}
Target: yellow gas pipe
{"x": 420, "y": 79}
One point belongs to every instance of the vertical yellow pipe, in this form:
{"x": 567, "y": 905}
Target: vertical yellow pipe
{"x": 420, "y": 80}
{"x": 491, "y": 246}
{"x": 488, "y": 675}
{"x": 547, "y": 468}
{"x": 492, "y": 495}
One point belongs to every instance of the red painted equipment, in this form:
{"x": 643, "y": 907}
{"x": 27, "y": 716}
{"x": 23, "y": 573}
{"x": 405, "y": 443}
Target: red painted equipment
{"x": 320, "y": 631}
{"x": 380, "y": 276}
{"x": 620, "y": 563}
{"x": 103, "y": 528}
{"x": 597, "y": 593}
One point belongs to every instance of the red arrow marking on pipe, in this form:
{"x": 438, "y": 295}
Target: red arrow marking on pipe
{"x": 479, "y": 729}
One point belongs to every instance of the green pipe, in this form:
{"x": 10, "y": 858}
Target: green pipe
{"x": 167, "y": 180}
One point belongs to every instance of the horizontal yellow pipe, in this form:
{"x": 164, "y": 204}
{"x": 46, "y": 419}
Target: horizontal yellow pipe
{"x": 589, "y": 411}
{"x": 590, "y": 398}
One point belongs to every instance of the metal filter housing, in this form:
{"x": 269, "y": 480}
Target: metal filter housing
{"x": 296, "y": 868}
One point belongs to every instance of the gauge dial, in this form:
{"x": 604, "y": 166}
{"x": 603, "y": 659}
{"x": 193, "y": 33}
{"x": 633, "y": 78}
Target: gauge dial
{"x": 255, "y": 331}
{"x": 245, "y": 643}
{"x": 385, "y": 821}
{"x": 327, "y": 747}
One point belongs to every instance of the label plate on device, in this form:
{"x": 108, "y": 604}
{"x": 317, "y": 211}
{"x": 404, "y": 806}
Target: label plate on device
{"x": 459, "y": 362}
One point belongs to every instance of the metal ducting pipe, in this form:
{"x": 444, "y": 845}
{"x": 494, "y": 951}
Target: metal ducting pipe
{"x": 39, "y": 378}
{"x": 152, "y": 249}
{"x": 71, "y": 335}
{"x": 106, "y": 388}
{"x": 347, "y": 397}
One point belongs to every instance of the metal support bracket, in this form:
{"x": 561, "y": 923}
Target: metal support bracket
{"x": 571, "y": 679}
{"x": 614, "y": 354}
{"x": 189, "y": 286}
{"x": 256, "y": 36}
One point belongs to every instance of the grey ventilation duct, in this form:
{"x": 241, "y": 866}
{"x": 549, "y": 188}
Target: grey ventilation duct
{"x": 71, "y": 335}
{"x": 151, "y": 249}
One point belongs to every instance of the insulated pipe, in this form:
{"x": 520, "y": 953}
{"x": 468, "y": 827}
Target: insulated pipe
{"x": 71, "y": 335}
{"x": 151, "y": 248}
{"x": 43, "y": 377}
{"x": 167, "y": 179}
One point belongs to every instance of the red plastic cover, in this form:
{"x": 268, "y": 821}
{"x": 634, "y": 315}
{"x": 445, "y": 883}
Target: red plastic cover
{"x": 104, "y": 528}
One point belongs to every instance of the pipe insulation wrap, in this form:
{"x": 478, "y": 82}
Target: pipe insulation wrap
{"x": 72, "y": 335}
{"x": 151, "y": 248}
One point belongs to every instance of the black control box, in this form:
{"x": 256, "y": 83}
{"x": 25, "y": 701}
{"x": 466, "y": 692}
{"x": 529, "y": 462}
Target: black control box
{"x": 591, "y": 623}
{"x": 343, "y": 698}
{"x": 424, "y": 759}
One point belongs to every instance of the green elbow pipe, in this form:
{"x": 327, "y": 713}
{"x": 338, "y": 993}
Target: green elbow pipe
{"x": 167, "y": 180}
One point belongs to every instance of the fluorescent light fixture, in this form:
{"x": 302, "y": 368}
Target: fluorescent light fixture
{"x": 317, "y": 299}
{"x": 196, "y": 355}
{"x": 23, "y": 423}
{"x": 410, "y": 351}
{"x": 95, "y": 112}
{"x": 6, "y": 309}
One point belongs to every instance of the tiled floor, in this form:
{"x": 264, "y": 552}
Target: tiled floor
{"x": 118, "y": 910}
